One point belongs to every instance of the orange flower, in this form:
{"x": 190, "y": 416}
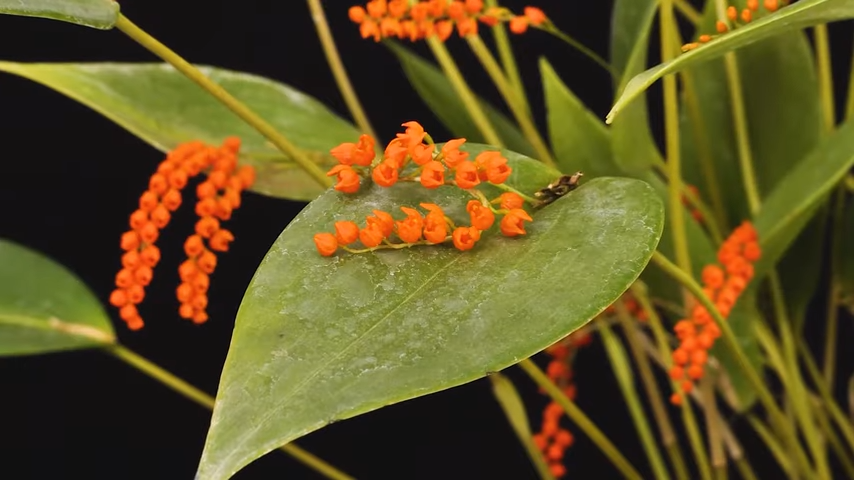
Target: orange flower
{"x": 513, "y": 223}
{"x": 348, "y": 179}
{"x": 433, "y": 174}
{"x": 465, "y": 237}
{"x": 409, "y": 229}
{"x": 361, "y": 153}
{"x": 396, "y": 152}
{"x": 510, "y": 200}
{"x": 421, "y": 154}
{"x": 326, "y": 244}
{"x": 535, "y": 16}
{"x": 466, "y": 175}
{"x": 385, "y": 174}
{"x": 444, "y": 29}
{"x": 481, "y": 216}
{"x": 519, "y": 24}
{"x": 497, "y": 170}
{"x": 466, "y": 27}
{"x": 346, "y": 232}
{"x": 357, "y": 14}
{"x": 414, "y": 134}
{"x": 371, "y": 236}
{"x": 452, "y": 154}
{"x": 435, "y": 226}
{"x": 383, "y": 220}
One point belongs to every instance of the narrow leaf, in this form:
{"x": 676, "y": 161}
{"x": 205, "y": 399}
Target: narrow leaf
{"x": 101, "y": 14}
{"x": 798, "y": 15}
{"x": 162, "y": 107}
{"x": 44, "y": 308}
{"x": 323, "y": 339}
{"x": 438, "y": 94}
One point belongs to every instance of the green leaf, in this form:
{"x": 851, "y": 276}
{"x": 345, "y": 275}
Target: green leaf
{"x": 579, "y": 139}
{"x": 798, "y": 15}
{"x": 738, "y": 391}
{"x": 101, "y": 14}
{"x": 318, "y": 339}
{"x": 630, "y": 22}
{"x": 44, "y": 308}
{"x": 162, "y": 107}
{"x": 438, "y": 94}
{"x": 798, "y": 196}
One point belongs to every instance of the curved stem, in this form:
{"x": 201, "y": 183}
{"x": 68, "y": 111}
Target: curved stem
{"x": 478, "y": 116}
{"x": 508, "y": 60}
{"x": 338, "y": 69}
{"x": 583, "y": 421}
{"x": 241, "y": 110}
{"x": 516, "y": 105}
{"x": 192, "y": 393}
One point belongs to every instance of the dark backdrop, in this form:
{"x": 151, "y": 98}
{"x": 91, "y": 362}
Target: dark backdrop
{"x": 70, "y": 178}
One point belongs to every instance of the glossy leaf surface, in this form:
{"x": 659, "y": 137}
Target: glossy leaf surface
{"x": 323, "y": 339}
{"x": 101, "y": 14}
{"x": 162, "y": 107}
{"x": 793, "y": 17}
{"x": 44, "y": 308}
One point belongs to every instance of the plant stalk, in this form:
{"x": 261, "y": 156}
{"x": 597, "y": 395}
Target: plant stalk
{"x": 508, "y": 60}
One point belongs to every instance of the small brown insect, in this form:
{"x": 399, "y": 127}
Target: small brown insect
{"x": 559, "y": 188}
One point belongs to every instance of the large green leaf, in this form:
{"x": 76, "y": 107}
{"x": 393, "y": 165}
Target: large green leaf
{"x": 438, "y": 94}
{"x": 793, "y": 17}
{"x": 100, "y": 14}
{"x": 579, "y": 139}
{"x": 44, "y": 308}
{"x": 323, "y": 339}
{"x": 162, "y": 107}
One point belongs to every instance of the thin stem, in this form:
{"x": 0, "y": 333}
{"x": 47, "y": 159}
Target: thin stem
{"x": 517, "y": 106}
{"x": 832, "y": 322}
{"x": 579, "y": 418}
{"x": 671, "y": 132}
{"x": 192, "y": 393}
{"x": 665, "y": 428}
{"x": 688, "y": 11}
{"x": 744, "y": 468}
{"x": 773, "y": 444}
{"x": 622, "y": 370}
{"x": 739, "y": 119}
{"x": 508, "y": 60}
{"x": 716, "y": 443}
{"x": 732, "y": 343}
{"x": 154, "y": 46}
{"x": 835, "y": 443}
{"x": 452, "y": 72}
{"x": 825, "y": 76}
{"x": 849, "y": 101}
{"x": 551, "y": 28}
{"x": 338, "y": 69}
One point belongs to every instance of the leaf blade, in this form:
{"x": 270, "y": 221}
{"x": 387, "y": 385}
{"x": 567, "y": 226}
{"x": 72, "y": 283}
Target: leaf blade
{"x": 100, "y": 14}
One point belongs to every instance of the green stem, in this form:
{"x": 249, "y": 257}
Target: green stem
{"x": 773, "y": 444}
{"x": 192, "y": 393}
{"x": 732, "y": 343}
{"x": 154, "y": 46}
{"x": 508, "y": 60}
{"x": 739, "y": 119}
{"x": 825, "y": 76}
{"x": 452, "y": 72}
{"x": 671, "y": 132}
{"x": 338, "y": 69}
{"x": 551, "y": 28}
{"x": 516, "y": 105}
{"x": 688, "y": 11}
{"x": 665, "y": 428}
{"x": 842, "y": 455}
{"x": 831, "y": 325}
{"x": 716, "y": 443}
{"x": 579, "y": 418}
{"x": 849, "y": 101}
{"x": 745, "y": 469}
{"x": 622, "y": 370}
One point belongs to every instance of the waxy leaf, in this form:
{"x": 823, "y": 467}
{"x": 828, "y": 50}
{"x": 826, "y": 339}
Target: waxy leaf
{"x": 793, "y": 17}
{"x": 438, "y": 93}
{"x": 101, "y": 14}
{"x": 318, "y": 339}
{"x": 162, "y": 107}
{"x": 44, "y": 308}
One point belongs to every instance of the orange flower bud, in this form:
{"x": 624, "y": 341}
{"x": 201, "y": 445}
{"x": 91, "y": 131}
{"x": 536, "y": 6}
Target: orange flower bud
{"x": 713, "y": 276}
{"x": 201, "y": 283}
{"x": 188, "y": 270}
{"x": 481, "y": 216}
{"x": 172, "y": 200}
{"x": 474, "y": 6}
{"x": 513, "y": 222}
{"x": 456, "y": 10}
{"x": 721, "y": 27}
{"x": 497, "y": 170}
{"x": 414, "y": 134}
{"x": 705, "y": 38}
{"x": 186, "y": 311}
{"x": 731, "y": 13}
{"x": 519, "y": 24}
{"x": 150, "y": 256}
{"x": 385, "y": 174}
{"x": 247, "y": 175}
{"x": 466, "y": 175}
{"x": 348, "y": 179}
{"x": 384, "y": 221}
{"x": 771, "y": 5}
{"x": 467, "y": 26}
{"x": 746, "y": 15}
{"x": 118, "y": 298}
{"x": 465, "y": 237}
{"x": 207, "y": 262}
{"x": 409, "y": 229}
{"x": 452, "y": 154}
{"x": 149, "y": 233}
{"x": 207, "y": 226}
{"x": 371, "y": 236}
{"x": 535, "y": 15}
{"x": 200, "y": 318}
{"x": 223, "y": 209}
{"x": 148, "y": 201}
{"x": 136, "y": 294}
{"x": 220, "y": 240}
{"x": 158, "y": 184}
{"x": 435, "y": 227}
{"x": 357, "y": 14}
{"x": 138, "y": 219}
{"x": 194, "y": 246}
{"x": 510, "y": 200}
{"x": 184, "y": 292}
{"x": 433, "y": 174}
{"x": 205, "y": 190}
{"x": 421, "y": 153}
{"x": 680, "y": 357}
{"x": 753, "y": 5}
{"x": 143, "y": 275}
{"x": 130, "y": 241}
{"x": 128, "y": 312}
{"x": 346, "y": 232}
{"x": 160, "y": 216}
{"x": 131, "y": 259}
{"x": 444, "y": 29}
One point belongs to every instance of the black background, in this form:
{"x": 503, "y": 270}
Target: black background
{"x": 70, "y": 178}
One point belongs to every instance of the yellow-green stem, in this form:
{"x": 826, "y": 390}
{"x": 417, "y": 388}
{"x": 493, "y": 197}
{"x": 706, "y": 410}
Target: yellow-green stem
{"x": 688, "y": 419}
{"x": 771, "y": 441}
{"x": 192, "y": 393}
{"x": 685, "y": 279}
{"x": 739, "y": 120}
{"x": 154, "y": 46}
{"x": 745, "y": 469}
{"x": 455, "y": 77}
{"x": 580, "y": 419}
{"x": 688, "y": 11}
{"x": 508, "y": 60}
{"x": 623, "y": 372}
{"x": 842, "y": 455}
{"x": 671, "y": 135}
{"x": 717, "y": 454}
{"x": 825, "y": 76}
{"x": 517, "y": 107}
{"x": 665, "y": 428}
{"x": 831, "y": 324}
{"x": 338, "y": 69}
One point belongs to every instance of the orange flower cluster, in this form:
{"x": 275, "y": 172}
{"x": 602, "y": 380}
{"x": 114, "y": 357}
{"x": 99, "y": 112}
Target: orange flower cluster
{"x": 736, "y": 19}
{"x": 218, "y": 196}
{"x": 723, "y": 286}
{"x": 553, "y": 440}
{"x": 397, "y": 18}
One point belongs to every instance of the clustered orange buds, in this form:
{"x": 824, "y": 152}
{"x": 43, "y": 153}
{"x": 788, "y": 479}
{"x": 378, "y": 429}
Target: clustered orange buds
{"x": 553, "y": 440}
{"x": 380, "y": 19}
{"x": 218, "y": 196}
{"x": 736, "y": 18}
{"x": 695, "y": 214}
{"x": 723, "y": 284}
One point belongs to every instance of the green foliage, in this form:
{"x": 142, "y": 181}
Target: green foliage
{"x": 101, "y": 14}
{"x": 44, "y": 308}
{"x": 163, "y": 108}
{"x": 323, "y": 339}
